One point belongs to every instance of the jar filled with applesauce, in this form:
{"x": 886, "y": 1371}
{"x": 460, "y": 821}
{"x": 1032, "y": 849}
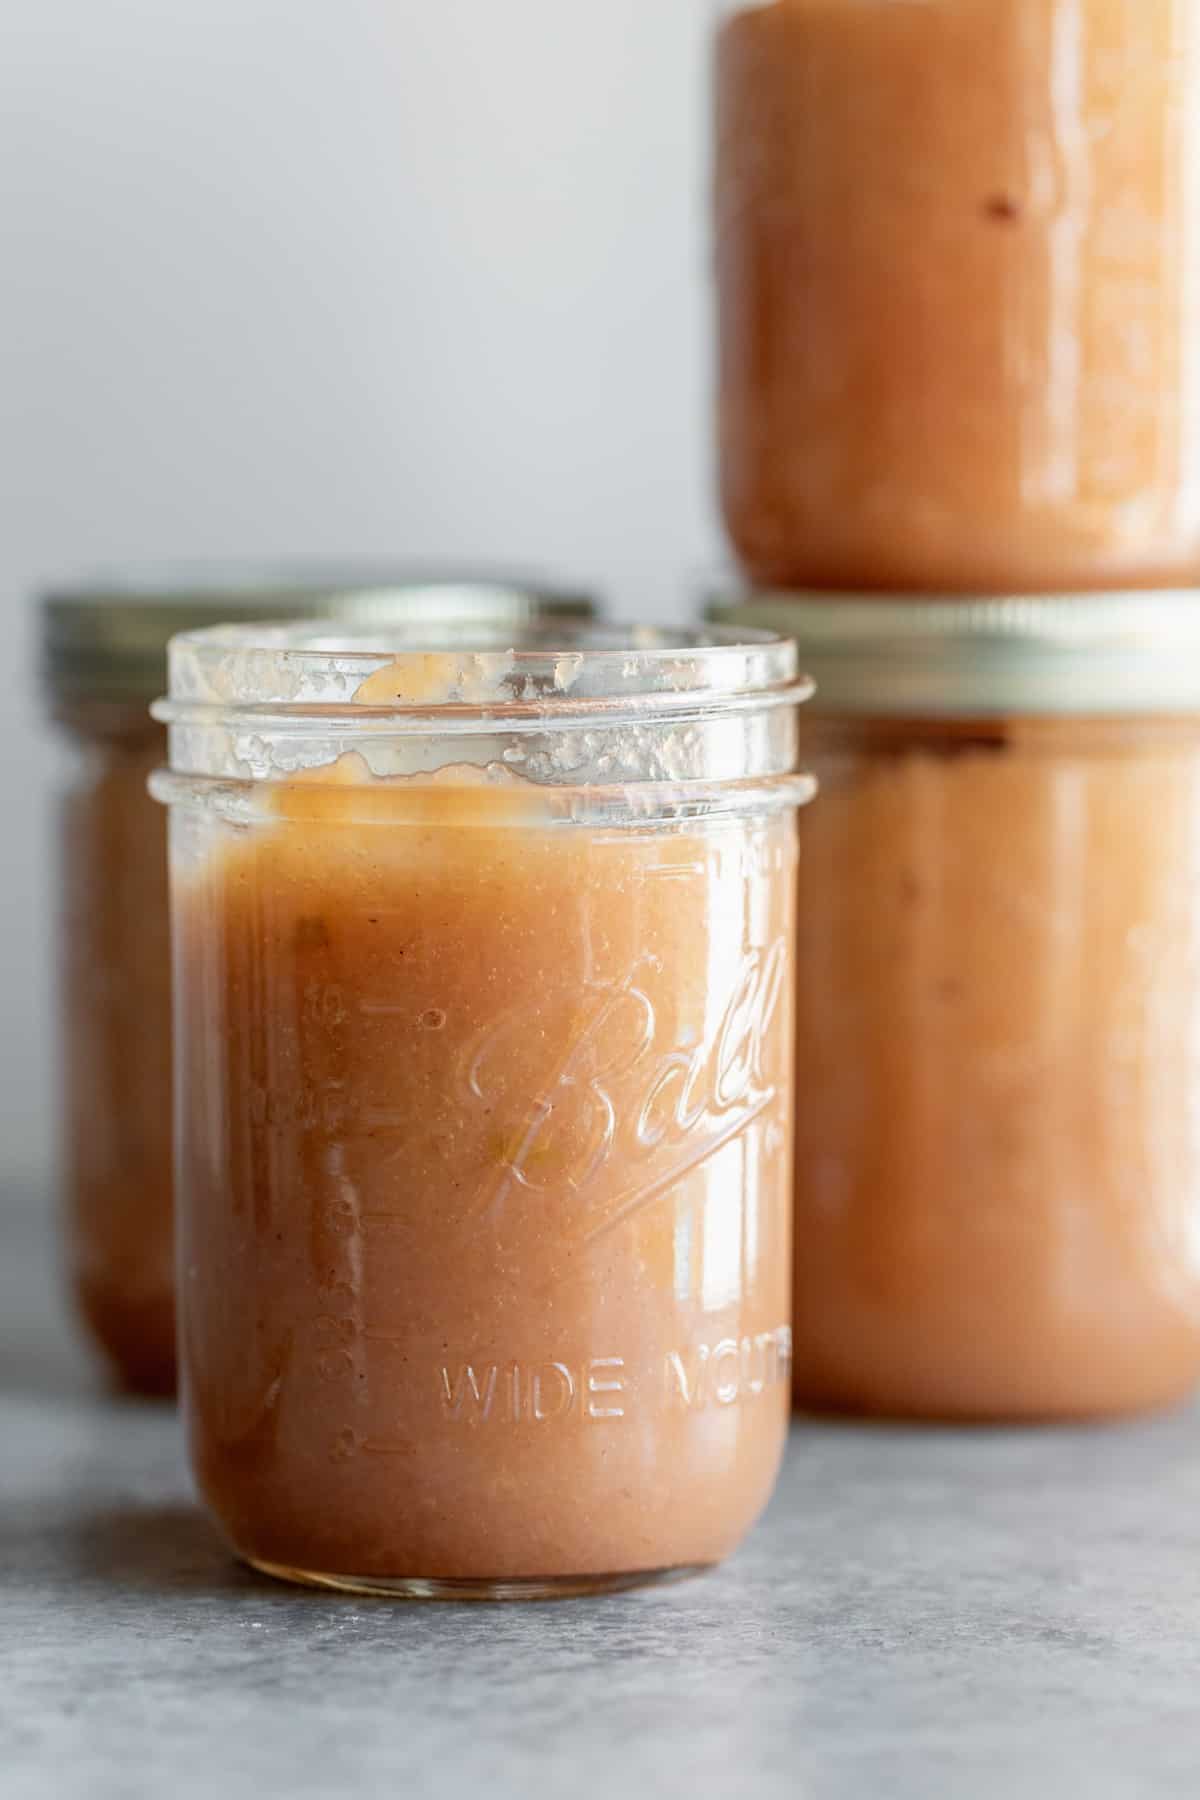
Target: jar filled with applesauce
{"x": 958, "y": 261}
{"x": 483, "y": 985}
{"x": 998, "y": 1006}
{"x": 103, "y": 662}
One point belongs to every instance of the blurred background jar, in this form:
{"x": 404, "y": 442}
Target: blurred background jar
{"x": 998, "y": 1006}
{"x": 103, "y": 662}
{"x": 957, "y": 259}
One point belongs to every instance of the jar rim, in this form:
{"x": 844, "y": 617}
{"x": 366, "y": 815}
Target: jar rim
{"x": 437, "y": 676}
{"x": 574, "y": 707}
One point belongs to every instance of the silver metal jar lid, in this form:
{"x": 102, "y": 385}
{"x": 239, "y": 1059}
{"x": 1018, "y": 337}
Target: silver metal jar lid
{"x": 1062, "y": 655}
{"x": 105, "y": 638}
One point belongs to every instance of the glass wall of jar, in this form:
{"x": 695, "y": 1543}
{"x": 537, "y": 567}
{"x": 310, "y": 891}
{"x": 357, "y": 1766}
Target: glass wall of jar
{"x": 104, "y": 661}
{"x": 998, "y": 1007}
{"x": 958, "y": 259}
{"x": 483, "y": 1020}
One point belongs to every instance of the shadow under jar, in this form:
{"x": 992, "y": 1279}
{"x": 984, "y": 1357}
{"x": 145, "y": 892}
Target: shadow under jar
{"x": 483, "y": 978}
{"x": 957, "y": 246}
{"x": 998, "y": 1007}
{"x": 104, "y": 661}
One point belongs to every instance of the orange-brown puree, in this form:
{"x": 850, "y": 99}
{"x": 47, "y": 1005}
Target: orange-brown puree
{"x": 116, "y": 1003}
{"x": 998, "y": 1154}
{"x": 446, "y": 1314}
{"x": 957, "y": 251}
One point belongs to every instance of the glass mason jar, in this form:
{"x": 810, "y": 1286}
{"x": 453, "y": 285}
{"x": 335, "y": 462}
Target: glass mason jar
{"x": 998, "y": 1007}
{"x": 104, "y": 661}
{"x": 483, "y": 1026}
{"x": 958, "y": 260}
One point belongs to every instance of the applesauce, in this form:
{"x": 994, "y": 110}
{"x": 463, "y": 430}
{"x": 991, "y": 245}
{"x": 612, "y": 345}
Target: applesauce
{"x": 483, "y": 985}
{"x": 998, "y": 1008}
{"x": 957, "y": 257}
{"x": 115, "y": 1031}
{"x": 104, "y": 660}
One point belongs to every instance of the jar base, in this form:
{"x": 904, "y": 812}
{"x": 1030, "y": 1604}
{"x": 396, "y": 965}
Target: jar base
{"x": 135, "y": 1340}
{"x": 414, "y": 1587}
{"x": 921, "y": 1412}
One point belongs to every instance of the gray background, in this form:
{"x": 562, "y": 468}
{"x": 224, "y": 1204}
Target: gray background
{"x": 372, "y": 276}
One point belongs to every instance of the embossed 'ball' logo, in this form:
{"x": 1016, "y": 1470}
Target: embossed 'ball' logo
{"x": 627, "y": 1110}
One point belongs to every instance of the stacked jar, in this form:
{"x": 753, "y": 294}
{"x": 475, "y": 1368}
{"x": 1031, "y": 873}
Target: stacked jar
{"x": 958, "y": 251}
{"x": 104, "y": 653}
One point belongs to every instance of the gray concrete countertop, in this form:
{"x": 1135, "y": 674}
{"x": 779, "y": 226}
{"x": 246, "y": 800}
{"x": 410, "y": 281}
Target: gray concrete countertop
{"x": 923, "y": 1614}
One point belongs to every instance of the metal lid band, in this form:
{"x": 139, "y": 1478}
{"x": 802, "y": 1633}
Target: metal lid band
{"x": 1070, "y": 656}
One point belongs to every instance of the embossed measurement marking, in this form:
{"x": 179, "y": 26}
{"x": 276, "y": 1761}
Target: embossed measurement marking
{"x": 386, "y": 1118}
{"x": 673, "y": 871}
